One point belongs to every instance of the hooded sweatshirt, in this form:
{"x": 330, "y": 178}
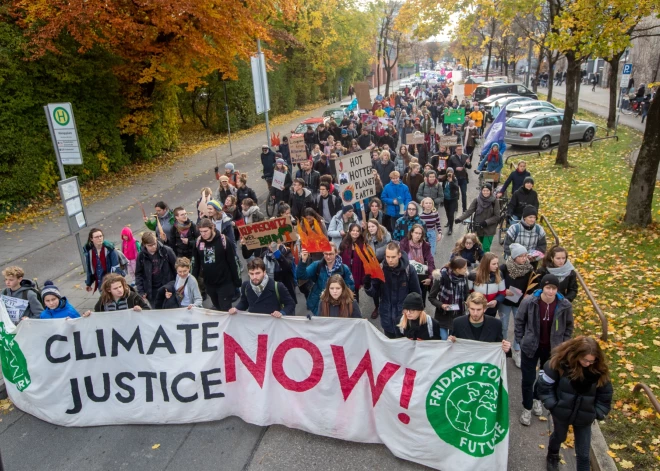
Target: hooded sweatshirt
{"x": 27, "y": 291}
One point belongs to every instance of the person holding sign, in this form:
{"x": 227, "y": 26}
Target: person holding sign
{"x": 337, "y": 300}
{"x": 21, "y": 297}
{"x": 280, "y": 189}
{"x": 415, "y": 323}
{"x": 116, "y": 295}
{"x": 263, "y": 295}
{"x": 57, "y": 306}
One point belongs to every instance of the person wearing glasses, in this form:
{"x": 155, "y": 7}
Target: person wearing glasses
{"x": 100, "y": 259}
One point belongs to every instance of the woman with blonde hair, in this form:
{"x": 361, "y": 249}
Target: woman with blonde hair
{"x": 116, "y": 295}
{"x": 377, "y": 236}
{"x": 488, "y": 280}
{"x": 202, "y": 203}
{"x": 337, "y": 300}
{"x": 431, "y": 218}
{"x": 415, "y": 324}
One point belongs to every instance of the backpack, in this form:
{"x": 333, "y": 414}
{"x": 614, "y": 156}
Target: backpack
{"x": 24, "y": 294}
{"x": 123, "y": 261}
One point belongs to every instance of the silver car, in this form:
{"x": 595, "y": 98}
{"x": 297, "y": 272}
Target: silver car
{"x": 543, "y": 129}
{"x": 502, "y": 102}
{"x": 546, "y": 104}
{"x": 515, "y": 111}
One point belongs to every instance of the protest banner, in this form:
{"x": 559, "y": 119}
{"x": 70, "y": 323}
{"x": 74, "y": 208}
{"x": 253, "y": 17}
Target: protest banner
{"x": 356, "y": 180}
{"x": 298, "y": 150}
{"x": 454, "y": 116}
{"x": 261, "y": 234}
{"x": 15, "y": 307}
{"x": 363, "y": 95}
{"x": 448, "y": 141}
{"x": 415, "y": 138}
{"x": 278, "y": 180}
{"x": 438, "y": 403}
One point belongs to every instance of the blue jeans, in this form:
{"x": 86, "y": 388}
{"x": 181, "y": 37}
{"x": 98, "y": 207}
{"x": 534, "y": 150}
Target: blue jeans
{"x": 462, "y": 184}
{"x": 432, "y": 235}
{"x": 444, "y": 334}
{"x": 505, "y": 315}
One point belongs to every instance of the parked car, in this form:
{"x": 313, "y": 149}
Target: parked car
{"x": 485, "y": 90}
{"x": 523, "y": 109}
{"x": 336, "y": 113}
{"x": 540, "y": 103}
{"x": 492, "y": 98}
{"x": 502, "y": 102}
{"x": 302, "y": 127}
{"x": 543, "y": 129}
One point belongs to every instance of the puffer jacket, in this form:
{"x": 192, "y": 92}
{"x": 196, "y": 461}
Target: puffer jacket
{"x": 317, "y": 273}
{"x": 391, "y": 192}
{"x": 571, "y": 402}
{"x": 399, "y": 282}
{"x": 521, "y": 198}
{"x": 491, "y": 216}
{"x": 528, "y": 325}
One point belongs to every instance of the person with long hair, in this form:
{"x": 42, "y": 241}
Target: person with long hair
{"x": 224, "y": 188}
{"x": 130, "y": 248}
{"x": 415, "y": 324}
{"x": 576, "y": 388}
{"x": 556, "y": 263}
{"x": 378, "y": 237}
{"x": 375, "y": 210}
{"x": 337, "y": 300}
{"x": 101, "y": 259}
{"x": 469, "y": 248}
{"x": 448, "y": 293}
{"x": 485, "y": 211}
{"x": 402, "y": 160}
{"x": 418, "y": 250}
{"x": 431, "y": 218}
{"x": 116, "y": 295}
{"x": 450, "y": 192}
{"x": 487, "y": 280}
{"x": 347, "y": 250}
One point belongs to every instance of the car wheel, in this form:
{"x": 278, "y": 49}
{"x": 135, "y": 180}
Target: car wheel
{"x": 545, "y": 142}
{"x": 588, "y": 135}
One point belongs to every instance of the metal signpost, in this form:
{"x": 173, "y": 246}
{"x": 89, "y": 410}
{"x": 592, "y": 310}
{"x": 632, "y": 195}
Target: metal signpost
{"x": 260, "y": 84}
{"x": 64, "y": 135}
{"x": 625, "y": 81}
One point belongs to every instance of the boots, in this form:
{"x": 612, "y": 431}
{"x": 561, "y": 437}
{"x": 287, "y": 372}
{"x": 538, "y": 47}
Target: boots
{"x": 552, "y": 461}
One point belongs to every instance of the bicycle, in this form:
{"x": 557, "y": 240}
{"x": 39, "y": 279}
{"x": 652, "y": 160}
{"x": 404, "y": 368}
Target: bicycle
{"x": 492, "y": 178}
{"x": 469, "y": 225}
{"x": 504, "y": 223}
{"x": 629, "y": 107}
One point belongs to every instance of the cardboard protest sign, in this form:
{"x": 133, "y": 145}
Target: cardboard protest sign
{"x": 278, "y": 180}
{"x": 298, "y": 150}
{"x": 16, "y": 307}
{"x": 363, "y": 95}
{"x": 448, "y": 141}
{"x": 454, "y": 116}
{"x": 261, "y": 234}
{"x": 356, "y": 180}
{"x": 415, "y": 138}
{"x": 322, "y": 376}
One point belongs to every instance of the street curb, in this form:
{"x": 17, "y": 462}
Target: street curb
{"x": 600, "y": 460}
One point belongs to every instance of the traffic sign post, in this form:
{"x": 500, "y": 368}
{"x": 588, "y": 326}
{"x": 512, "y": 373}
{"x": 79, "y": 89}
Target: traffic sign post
{"x": 625, "y": 82}
{"x": 63, "y": 133}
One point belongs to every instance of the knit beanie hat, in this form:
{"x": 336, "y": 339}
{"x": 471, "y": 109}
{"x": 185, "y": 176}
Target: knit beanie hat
{"x": 229, "y": 166}
{"x": 215, "y": 204}
{"x": 224, "y": 178}
{"x": 346, "y": 209}
{"x": 528, "y": 180}
{"x": 517, "y": 250}
{"x": 280, "y": 161}
{"x": 50, "y": 288}
{"x": 413, "y": 302}
{"x": 529, "y": 211}
{"x": 549, "y": 280}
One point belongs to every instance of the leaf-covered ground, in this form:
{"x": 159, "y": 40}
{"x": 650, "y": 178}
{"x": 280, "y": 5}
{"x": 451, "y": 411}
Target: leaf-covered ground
{"x": 620, "y": 264}
{"x": 193, "y": 139}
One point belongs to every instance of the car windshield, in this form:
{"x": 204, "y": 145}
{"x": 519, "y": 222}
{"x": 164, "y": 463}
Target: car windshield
{"x": 517, "y": 123}
{"x": 302, "y": 128}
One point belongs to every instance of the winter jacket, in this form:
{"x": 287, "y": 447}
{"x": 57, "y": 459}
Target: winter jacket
{"x": 453, "y": 190}
{"x": 364, "y": 140}
{"x": 528, "y": 325}
{"x": 270, "y": 300}
{"x": 416, "y": 331}
{"x": 400, "y": 192}
{"x": 404, "y": 224}
{"x": 27, "y": 291}
{"x": 133, "y": 299}
{"x": 379, "y": 247}
{"x": 429, "y": 260}
{"x": 144, "y": 280}
{"x": 268, "y": 164}
{"x": 413, "y": 182}
{"x": 516, "y": 180}
{"x": 216, "y": 261}
{"x": 317, "y": 273}
{"x": 311, "y": 180}
{"x": 384, "y": 170}
{"x": 252, "y": 215}
{"x": 431, "y": 191}
{"x": 532, "y": 238}
{"x": 337, "y": 224}
{"x": 521, "y": 198}
{"x": 568, "y": 286}
{"x": 521, "y": 283}
{"x": 370, "y": 215}
{"x": 286, "y": 155}
{"x": 166, "y": 222}
{"x": 491, "y": 331}
{"x": 222, "y": 194}
{"x": 299, "y": 203}
{"x": 62, "y": 311}
{"x": 180, "y": 249}
{"x": 111, "y": 261}
{"x": 311, "y": 139}
{"x": 399, "y": 282}
{"x": 333, "y": 310}
{"x": 456, "y": 161}
{"x": 573, "y": 402}
{"x": 191, "y": 290}
{"x": 492, "y": 290}
{"x": 491, "y": 216}
{"x": 473, "y": 256}
{"x": 334, "y": 205}
{"x": 245, "y": 192}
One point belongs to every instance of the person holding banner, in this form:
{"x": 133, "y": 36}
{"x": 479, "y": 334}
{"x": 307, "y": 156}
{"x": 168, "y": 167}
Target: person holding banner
{"x": 116, "y": 295}
{"x": 23, "y": 302}
{"x": 477, "y": 326}
{"x": 182, "y": 291}
{"x": 415, "y": 323}
{"x": 57, "y": 306}
{"x": 337, "y": 300}
{"x": 263, "y": 295}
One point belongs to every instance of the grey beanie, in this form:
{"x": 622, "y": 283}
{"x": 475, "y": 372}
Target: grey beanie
{"x": 517, "y": 250}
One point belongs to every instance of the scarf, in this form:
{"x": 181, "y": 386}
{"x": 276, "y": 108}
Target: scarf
{"x": 415, "y": 252}
{"x": 258, "y": 289}
{"x": 182, "y": 227}
{"x": 247, "y": 215}
{"x": 128, "y": 246}
{"x": 563, "y": 271}
{"x": 120, "y": 305}
{"x": 335, "y": 266}
{"x": 493, "y": 156}
{"x": 484, "y": 203}
{"x": 517, "y": 271}
{"x": 456, "y": 292}
{"x": 100, "y": 269}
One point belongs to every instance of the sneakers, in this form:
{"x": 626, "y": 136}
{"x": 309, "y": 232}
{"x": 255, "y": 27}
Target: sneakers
{"x": 516, "y": 358}
{"x": 526, "y": 417}
{"x": 537, "y": 408}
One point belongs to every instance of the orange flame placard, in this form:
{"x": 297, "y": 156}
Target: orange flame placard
{"x": 275, "y": 139}
{"x": 312, "y": 238}
{"x": 370, "y": 262}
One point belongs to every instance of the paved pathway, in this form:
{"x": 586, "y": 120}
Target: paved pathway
{"x": 230, "y": 444}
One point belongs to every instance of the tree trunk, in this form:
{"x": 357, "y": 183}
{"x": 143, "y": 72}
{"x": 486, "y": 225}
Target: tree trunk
{"x": 490, "y": 52}
{"x": 551, "y": 69}
{"x": 613, "y": 83}
{"x": 538, "y": 70}
{"x": 655, "y": 72}
{"x": 642, "y": 184}
{"x": 578, "y": 84}
{"x": 388, "y": 76}
{"x": 572, "y": 77}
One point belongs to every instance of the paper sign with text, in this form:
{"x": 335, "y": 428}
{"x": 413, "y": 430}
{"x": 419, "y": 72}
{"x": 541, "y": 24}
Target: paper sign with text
{"x": 438, "y": 403}
{"x": 355, "y": 177}
{"x": 363, "y": 95}
{"x": 298, "y": 150}
{"x": 16, "y": 307}
{"x": 261, "y": 234}
{"x": 278, "y": 180}
{"x": 448, "y": 141}
{"x": 415, "y": 138}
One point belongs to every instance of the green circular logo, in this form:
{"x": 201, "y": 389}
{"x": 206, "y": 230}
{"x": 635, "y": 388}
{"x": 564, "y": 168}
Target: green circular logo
{"x": 61, "y": 116}
{"x": 468, "y": 408}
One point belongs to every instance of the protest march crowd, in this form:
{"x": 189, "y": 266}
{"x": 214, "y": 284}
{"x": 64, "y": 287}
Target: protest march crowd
{"x": 423, "y": 146}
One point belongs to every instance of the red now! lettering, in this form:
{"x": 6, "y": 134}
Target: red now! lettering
{"x": 348, "y": 382}
{"x": 278, "y": 365}
{"x": 257, "y": 369}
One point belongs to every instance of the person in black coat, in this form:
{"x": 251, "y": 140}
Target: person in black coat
{"x": 182, "y": 236}
{"x": 311, "y": 139}
{"x": 154, "y": 267}
{"x": 415, "y": 323}
{"x": 477, "y": 326}
{"x": 574, "y": 385}
{"x": 515, "y": 179}
{"x": 524, "y": 196}
{"x": 263, "y": 295}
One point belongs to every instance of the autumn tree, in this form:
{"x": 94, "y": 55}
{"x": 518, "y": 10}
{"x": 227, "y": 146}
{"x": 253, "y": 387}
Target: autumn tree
{"x": 389, "y": 38}
{"x": 465, "y": 48}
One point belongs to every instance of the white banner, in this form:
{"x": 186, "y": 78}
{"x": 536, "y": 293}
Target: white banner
{"x": 16, "y": 307}
{"x": 436, "y": 403}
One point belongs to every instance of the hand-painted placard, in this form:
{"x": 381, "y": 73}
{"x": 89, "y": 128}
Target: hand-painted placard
{"x": 298, "y": 150}
{"x": 261, "y": 234}
{"x": 356, "y": 180}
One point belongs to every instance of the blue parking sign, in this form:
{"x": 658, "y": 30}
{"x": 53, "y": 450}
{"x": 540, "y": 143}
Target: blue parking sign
{"x": 627, "y": 69}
